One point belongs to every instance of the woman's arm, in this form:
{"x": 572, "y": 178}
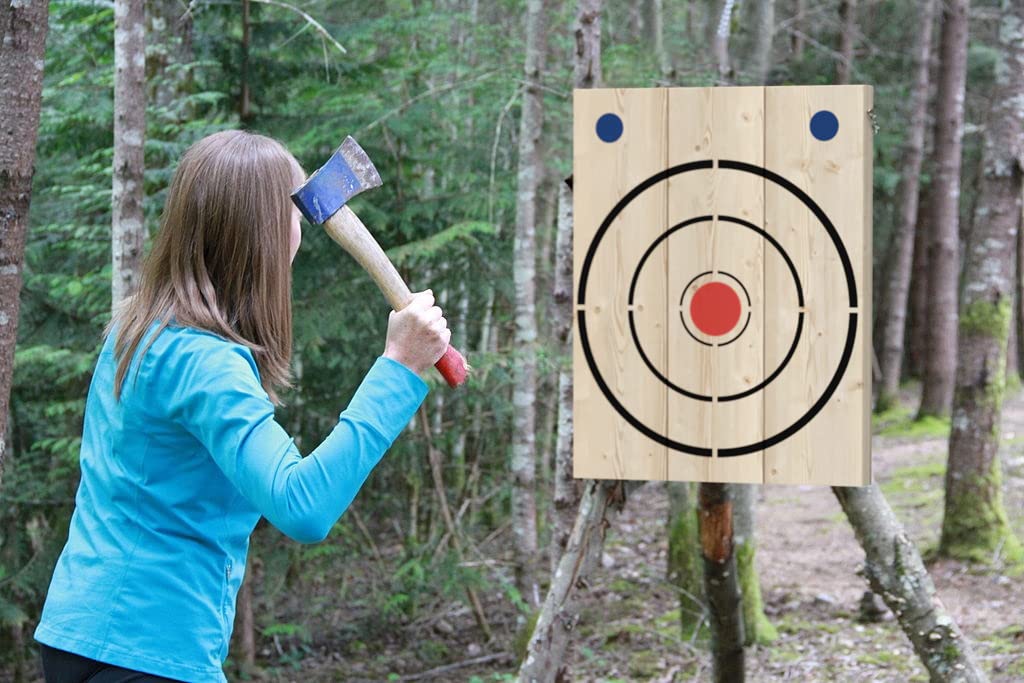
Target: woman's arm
{"x": 219, "y": 400}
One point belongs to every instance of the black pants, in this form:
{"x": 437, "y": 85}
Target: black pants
{"x": 60, "y": 666}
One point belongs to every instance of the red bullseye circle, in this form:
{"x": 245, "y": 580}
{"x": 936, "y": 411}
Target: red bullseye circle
{"x": 715, "y": 308}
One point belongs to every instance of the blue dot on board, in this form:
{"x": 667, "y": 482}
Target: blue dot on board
{"x": 609, "y": 127}
{"x": 824, "y": 125}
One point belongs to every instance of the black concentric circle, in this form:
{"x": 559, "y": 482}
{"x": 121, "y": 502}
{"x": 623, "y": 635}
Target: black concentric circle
{"x": 799, "y": 295}
{"x": 682, "y": 317}
{"x": 851, "y": 286}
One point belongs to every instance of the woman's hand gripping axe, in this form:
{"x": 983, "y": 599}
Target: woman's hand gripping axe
{"x": 321, "y": 199}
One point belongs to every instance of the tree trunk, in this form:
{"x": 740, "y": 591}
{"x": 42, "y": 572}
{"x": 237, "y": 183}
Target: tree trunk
{"x": 725, "y": 604}
{"x": 668, "y": 69}
{"x": 765, "y": 36}
{"x": 916, "y": 337}
{"x": 1012, "y": 348}
{"x": 796, "y": 39}
{"x": 1019, "y": 327}
{"x": 587, "y": 62}
{"x": 894, "y": 570}
{"x": 128, "y": 226}
{"x": 974, "y": 525}
{"x": 847, "y": 27}
{"x": 566, "y": 488}
{"x": 244, "y": 627}
{"x": 940, "y": 361}
{"x": 720, "y": 41}
{"x": 684, "y": 569}
{"x": 524, "y": 505}
{"x": 22, "y": 46}
{"x": 893, "y": 314}
{"x": 244, "y": 99}
{"x": 757, "y": 629}
{"x": 544, "y": 661}
{"x": 169, "y": 40}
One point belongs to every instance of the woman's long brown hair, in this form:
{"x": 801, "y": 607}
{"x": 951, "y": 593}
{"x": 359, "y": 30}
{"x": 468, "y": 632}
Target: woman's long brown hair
{"x": 220, "y": 261}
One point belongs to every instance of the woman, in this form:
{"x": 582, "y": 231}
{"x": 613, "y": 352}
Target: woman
{"x": 181, "y": 454}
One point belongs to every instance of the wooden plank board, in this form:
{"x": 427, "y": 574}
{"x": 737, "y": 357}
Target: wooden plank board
{"x": 832, "y": 446}
{"x": 723, "y": 186}
{"x": 737, "y": 135}
{"x": 606, "y": 444}
{"x": 691, "y": 248}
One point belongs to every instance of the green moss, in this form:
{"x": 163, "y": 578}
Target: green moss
{"x": 757, "y": 628}
{"x": 644, "y": 663}
{"x": 926, "y": 426}
{"x": 986, "y": 318}
{"x": 916, "y": 486}
{"x": 975, "y": 526}
{"x": 522, "y": 639}
{"x": 684, "y": 565}
{"x": 886, "y": 415}
{"x": 1013, "y": 384}
{"x": 883, "y": 658}
{"x": 989, "y": 320}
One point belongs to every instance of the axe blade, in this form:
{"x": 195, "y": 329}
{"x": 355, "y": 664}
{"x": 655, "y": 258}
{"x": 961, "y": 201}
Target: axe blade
{"x": 348, "y": 172}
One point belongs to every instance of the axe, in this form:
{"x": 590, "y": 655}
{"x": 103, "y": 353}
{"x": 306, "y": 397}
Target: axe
{"x": 321, "y": 199}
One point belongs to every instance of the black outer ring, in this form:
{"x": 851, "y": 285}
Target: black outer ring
{"x": 851, "y": 287}
{"x": 799, "y": 296}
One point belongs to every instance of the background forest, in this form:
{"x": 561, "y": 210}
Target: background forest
{"x": 440, "y": 568}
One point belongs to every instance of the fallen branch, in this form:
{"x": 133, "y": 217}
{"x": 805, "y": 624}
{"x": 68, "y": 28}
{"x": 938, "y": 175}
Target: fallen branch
{"x": 451, "y": 667}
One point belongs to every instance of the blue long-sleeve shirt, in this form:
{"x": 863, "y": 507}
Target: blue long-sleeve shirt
{"x": 175, "y": 477}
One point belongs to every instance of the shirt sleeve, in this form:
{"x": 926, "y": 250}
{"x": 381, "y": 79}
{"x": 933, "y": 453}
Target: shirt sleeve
{"x": 220, "y": 401}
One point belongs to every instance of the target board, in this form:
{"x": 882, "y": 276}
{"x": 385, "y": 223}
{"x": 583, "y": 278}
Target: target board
{"x": 722, "y": 284}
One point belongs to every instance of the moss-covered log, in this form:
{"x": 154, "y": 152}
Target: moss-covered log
{"x": 894, "y": 570}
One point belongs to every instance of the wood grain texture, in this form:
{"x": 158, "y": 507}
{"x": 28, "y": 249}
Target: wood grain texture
{"x": 744, "y": 195}
{"x": 605, "y": 444}
{"x": 834, "y": 446}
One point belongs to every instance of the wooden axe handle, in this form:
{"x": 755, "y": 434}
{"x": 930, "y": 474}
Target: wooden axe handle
{"x": 346, "y": 229}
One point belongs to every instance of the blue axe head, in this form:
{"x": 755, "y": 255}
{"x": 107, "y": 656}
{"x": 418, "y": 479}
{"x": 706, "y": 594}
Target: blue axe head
{"x": 347, "y": 173}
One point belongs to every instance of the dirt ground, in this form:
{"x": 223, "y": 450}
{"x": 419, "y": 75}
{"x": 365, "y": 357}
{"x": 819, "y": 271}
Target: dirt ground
{"x": 807, "y": 557}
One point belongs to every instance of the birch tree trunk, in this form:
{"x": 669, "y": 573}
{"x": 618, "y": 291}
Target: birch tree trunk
{"x": 974, "y": 525}
{"x": 893, "y": 314}
{"x": 720, "y": 41}
{"x": 894, "y": 570}
{"x": 128, "y": 225}
{"x": 22, "y": 46}
{"x": 567, "y": 490}
{"x": 847, "y": 27}
{"x": 940, "y": 361}
{"x": 765, "y": 36}
{"x": 524, "y": 466}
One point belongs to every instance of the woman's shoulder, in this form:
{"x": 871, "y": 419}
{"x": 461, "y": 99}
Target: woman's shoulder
{"x": 185, "y": 349}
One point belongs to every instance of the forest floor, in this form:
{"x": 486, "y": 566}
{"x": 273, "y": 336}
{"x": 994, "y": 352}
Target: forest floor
{"x": 807, "y": 557}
